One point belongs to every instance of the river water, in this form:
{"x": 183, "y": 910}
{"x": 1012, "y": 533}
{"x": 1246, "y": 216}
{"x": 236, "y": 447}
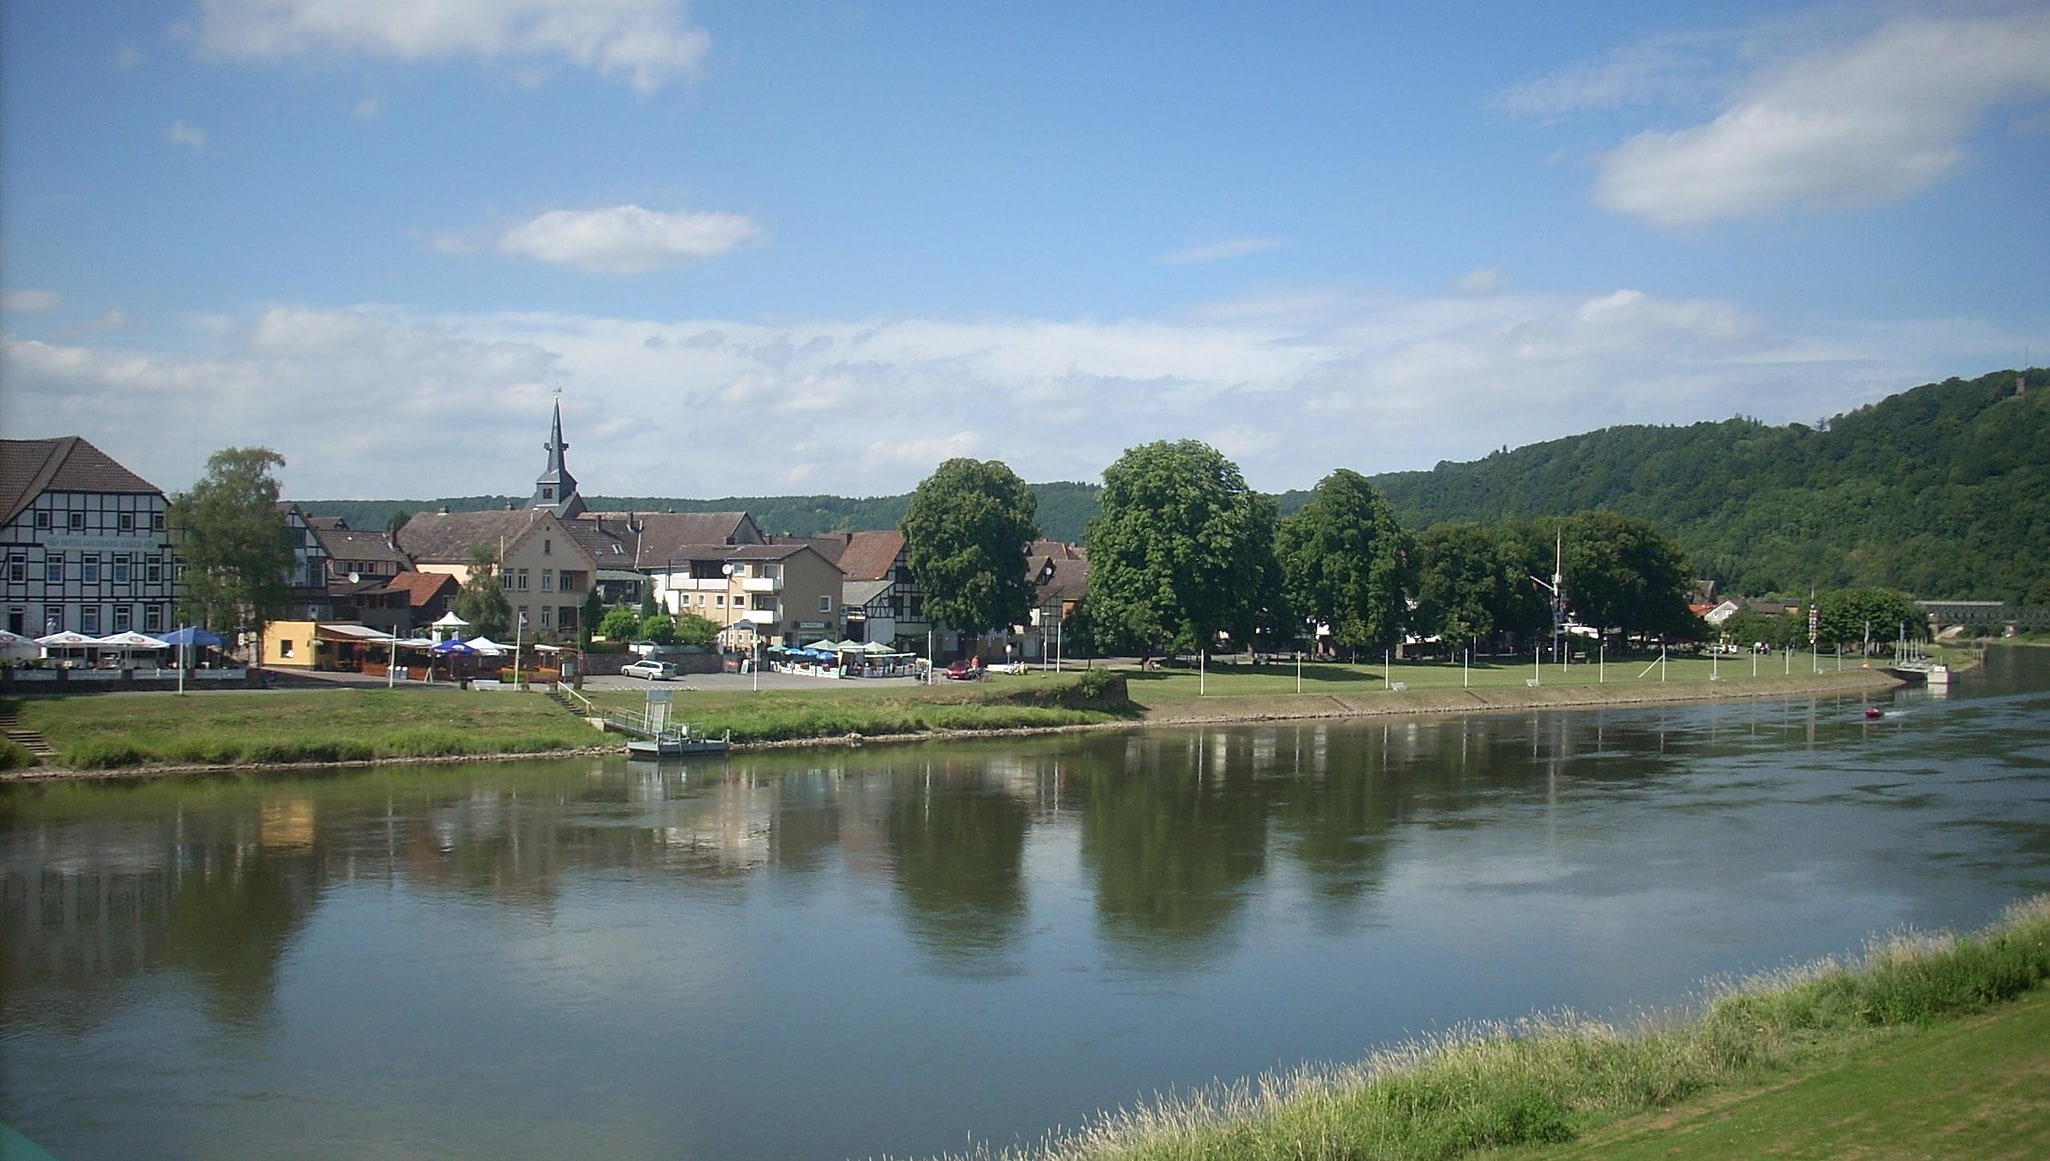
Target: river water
{"x": 887, "y": 951}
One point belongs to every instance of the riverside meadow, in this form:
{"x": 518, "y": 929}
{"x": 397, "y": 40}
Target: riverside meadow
{"x": 355, "y": 723}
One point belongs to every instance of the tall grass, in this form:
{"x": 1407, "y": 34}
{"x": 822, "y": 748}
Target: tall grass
{"x": 1547, "y": 1080}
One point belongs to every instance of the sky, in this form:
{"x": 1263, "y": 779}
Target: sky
{"x": 819, "y": 246}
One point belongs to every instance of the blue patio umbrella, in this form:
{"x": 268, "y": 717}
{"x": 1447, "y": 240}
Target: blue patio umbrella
{"x": 192, "y": 635}
{"x": 456, "y": 646}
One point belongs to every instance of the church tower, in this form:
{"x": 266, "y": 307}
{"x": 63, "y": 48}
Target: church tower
{"x": 555, "y": 489}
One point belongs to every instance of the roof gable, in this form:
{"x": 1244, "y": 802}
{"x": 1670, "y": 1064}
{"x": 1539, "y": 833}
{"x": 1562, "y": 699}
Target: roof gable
{"x": 871, "y": 555}
{"x": 31, "y": 467}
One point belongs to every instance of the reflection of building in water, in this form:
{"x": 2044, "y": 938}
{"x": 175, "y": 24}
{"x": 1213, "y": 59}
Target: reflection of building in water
{"x": 79, "y": 924}
{"x": 287, "y": 825}
{"x": 728, "y": 828}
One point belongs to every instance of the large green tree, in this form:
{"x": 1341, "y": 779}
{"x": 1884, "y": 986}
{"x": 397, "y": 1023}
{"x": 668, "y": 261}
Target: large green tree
{"x": 481, "y": 601}
{"x": 1853, "y": 616}
{"x": 1471, "y": 584}
{"x": 1345, "y": 562}
{"x": 1622, "y": 574}
{"x": 234, "y": 541}
{"x": 966, "y": 533}
{"x": 1183, "y": 550}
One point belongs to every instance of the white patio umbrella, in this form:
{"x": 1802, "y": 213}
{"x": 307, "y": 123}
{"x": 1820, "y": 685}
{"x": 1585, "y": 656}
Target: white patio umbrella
{"x": 488, "y": 647}
{"x": 13, "y": 645}
{"x": 130, "y": 641}
{"x": 67, "y": 640}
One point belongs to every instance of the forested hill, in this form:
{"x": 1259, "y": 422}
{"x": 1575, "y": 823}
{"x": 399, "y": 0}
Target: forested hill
{"x": 1942, "y": 491}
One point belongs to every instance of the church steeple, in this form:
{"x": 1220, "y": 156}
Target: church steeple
{"x": 555, "y": 489}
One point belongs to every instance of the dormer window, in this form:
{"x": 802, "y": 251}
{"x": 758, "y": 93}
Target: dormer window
{"x": 548, "y": 493}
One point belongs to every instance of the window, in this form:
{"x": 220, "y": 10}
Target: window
{"x": 285, "y": 647}
{"x": 547, "y": 615}
{"x": 547, "y": 580}
{"x": 89, "y": 568}
{"x": 123, "y": 618}
{"x": 156, "y": 522}
{"x": 547, "y": 547}
{"x": 505, "y": 581}
{"x": 152, "y": 619}
{"x": 521, "y": 583}
{"x": 825, "y": 604}
{"x": 121, "y": 567}
{"x": 89, "y": 621}
{"x": 17, "y": 568}
{"x": 153, "y": 570}
{"x": 77, "y": 521}
{"x": 42, "y": 519}
{"x": 719, "y": 599}
{"x": 127, "y": 521}
{"x": 53, "y": 570}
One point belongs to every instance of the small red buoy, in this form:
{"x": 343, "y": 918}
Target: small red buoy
{"x": 1873, "y": 711}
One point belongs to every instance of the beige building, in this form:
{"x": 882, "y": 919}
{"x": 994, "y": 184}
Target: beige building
{"x": 545, "y": 569}
{"x": 785, "y": 593}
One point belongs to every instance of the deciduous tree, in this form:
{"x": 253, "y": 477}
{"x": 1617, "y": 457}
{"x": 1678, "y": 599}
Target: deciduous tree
{"x": 1345, "y": 562}
{"x": 481, "y": 601}
{"x": 1183, "y": 550}
{"x": 965, "y": 537}
{"x": 235, "y": 544}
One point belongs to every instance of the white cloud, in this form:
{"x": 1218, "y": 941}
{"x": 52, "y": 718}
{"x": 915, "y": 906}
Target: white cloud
{"x": 627, "y": 239}
{"x": 1222, "y": 251}
{"x": 1860, "y": 125}
{"x": 1486, "y": 280}
{"x": 1643, "y": 74}
{"x": 648, "y": 43}
{"x": 30, "y": 300}
{"x": 710, "y": 407}
{"x": 184, "y": 134}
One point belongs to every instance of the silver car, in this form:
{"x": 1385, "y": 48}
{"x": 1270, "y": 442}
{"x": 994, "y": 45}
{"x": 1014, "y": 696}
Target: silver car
{"x": 651, "y": 670}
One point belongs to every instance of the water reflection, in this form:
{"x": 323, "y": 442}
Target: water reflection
{"x": 1087, "y": 915}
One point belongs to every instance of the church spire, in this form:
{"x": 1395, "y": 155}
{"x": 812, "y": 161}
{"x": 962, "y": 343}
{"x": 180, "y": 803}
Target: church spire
{"x": 555, "y": 489}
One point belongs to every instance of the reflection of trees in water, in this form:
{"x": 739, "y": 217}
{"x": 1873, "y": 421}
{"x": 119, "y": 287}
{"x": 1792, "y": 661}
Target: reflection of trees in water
{"x": 1172, "y": 833}
{"x": 958, "y": 845}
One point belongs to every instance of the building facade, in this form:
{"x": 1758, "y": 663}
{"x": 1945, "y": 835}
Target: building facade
{"x": 780, "y": 593}
{"x": 85, "y": 541}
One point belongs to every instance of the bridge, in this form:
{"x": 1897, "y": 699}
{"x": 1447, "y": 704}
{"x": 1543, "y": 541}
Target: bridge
{"x": 1984, "y": 615}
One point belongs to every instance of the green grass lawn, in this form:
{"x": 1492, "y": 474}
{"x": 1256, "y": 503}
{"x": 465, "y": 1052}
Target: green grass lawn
{"x": 1184, "y": 684}
{"x": 838, "y": 708}
{"x": 1979, "y": 1089}
{"x": 108, "y": 731}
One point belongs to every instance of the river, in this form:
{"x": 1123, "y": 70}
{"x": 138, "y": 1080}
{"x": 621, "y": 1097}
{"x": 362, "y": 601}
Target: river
{"x": 891, "y": 950}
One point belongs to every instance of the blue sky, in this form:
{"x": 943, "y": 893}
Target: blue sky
{"x": 820, "y": 247}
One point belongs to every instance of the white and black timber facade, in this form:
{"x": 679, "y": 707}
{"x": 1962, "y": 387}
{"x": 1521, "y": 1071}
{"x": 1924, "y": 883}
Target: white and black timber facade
{"x": 85, "y": 542}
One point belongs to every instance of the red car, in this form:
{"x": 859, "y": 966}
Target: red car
{"x": 966, "y": 669}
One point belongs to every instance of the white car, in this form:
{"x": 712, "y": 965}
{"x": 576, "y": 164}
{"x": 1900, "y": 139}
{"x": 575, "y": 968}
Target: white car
{"x": 651, "y": 670}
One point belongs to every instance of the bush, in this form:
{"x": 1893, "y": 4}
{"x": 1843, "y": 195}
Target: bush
{"x": 15, "y": 756}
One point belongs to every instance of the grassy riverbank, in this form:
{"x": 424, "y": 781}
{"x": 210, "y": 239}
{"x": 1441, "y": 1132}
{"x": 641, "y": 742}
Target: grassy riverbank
{"x": 1914, "y": 1049}
{"x": 350, "y": 724}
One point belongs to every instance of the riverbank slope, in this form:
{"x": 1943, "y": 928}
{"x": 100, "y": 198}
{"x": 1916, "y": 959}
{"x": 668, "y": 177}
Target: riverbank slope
{"x": 147, "y": 734}
{"x": 1924, "y": 1046}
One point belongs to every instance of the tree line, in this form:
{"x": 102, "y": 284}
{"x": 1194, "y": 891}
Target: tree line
{"x": 1186, "y": 557}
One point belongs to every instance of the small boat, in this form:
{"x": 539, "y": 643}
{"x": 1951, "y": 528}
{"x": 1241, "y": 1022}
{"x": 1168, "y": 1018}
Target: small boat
{"x": 1873, "y": 711}
{"x": 680, "y": 743}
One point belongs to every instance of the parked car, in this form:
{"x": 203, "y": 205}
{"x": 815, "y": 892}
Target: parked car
{"x": 963, "y": 670}
{"x": 650, "y": 670}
